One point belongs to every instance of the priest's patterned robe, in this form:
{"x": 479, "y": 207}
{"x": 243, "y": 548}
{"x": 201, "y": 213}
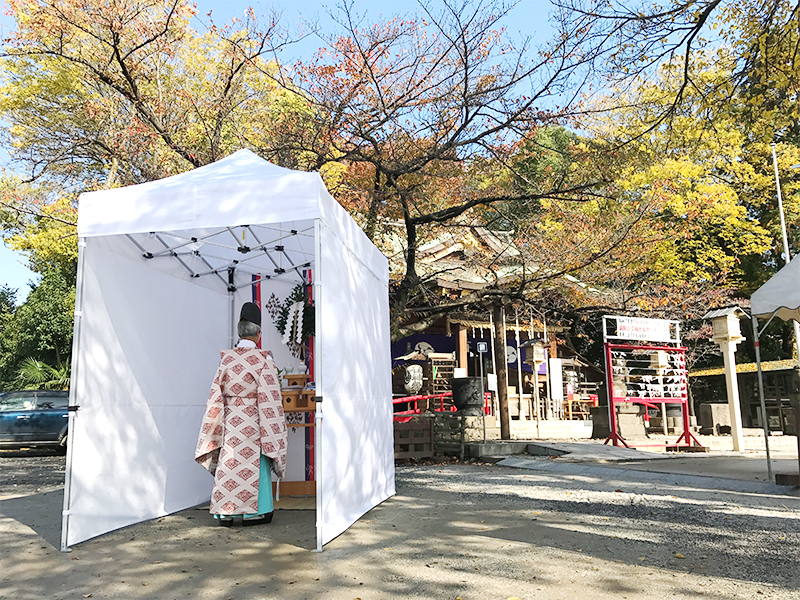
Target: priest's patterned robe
{"x": 243, "y": 419}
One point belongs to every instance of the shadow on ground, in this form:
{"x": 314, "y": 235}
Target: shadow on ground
{"x": 40, "y": 512}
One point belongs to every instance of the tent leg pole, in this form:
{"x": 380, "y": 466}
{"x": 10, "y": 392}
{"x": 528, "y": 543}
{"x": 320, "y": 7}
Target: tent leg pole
{"x": 72, "y": 415}
{"x": 317, "y": 478}
{"x": 318, "y": 379}
{"x": 764, "y": 423}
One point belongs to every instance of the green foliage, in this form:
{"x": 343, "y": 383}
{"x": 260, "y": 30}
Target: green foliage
{"x": 764, "y": 37}
{"x": 545, "y": 159}
{"x": 46, "y": 235}
{"x": 8, "y": 299}
{"x": 36, "y": 375}
{"x": 694, "y": 181}
{"x": 40, "y": 329}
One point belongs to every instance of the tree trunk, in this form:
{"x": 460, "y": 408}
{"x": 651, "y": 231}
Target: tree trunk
{"x": 374, "y": 206}
{"x": 500, "y": 359}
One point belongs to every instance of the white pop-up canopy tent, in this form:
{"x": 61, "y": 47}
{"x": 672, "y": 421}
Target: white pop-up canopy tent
{"x": 778, "y": 297}
{"x": 163, "y": 269}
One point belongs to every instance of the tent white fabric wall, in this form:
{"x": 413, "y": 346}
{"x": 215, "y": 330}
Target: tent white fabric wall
{"x": 357, "y": 442}
{"x": 148, "y": 333}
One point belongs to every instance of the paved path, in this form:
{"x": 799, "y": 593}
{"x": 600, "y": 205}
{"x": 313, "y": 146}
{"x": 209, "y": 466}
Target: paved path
{"x": 664, "y": 472}
{"x": 745, "y": 466}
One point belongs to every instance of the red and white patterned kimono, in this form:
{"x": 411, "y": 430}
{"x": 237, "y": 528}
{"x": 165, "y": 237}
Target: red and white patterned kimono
{"x": 244, "y": 419}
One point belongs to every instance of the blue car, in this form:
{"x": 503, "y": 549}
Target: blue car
{"x": 34, "y": 418}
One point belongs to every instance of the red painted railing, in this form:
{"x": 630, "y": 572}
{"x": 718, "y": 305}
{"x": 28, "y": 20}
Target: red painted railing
{"x": 413, "y": 401}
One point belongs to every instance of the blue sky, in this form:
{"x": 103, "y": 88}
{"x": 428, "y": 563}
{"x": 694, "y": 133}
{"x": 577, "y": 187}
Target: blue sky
{"x": 528, "y": 18}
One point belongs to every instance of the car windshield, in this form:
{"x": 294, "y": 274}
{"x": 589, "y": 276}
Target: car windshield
{"x": 15, "y": 402}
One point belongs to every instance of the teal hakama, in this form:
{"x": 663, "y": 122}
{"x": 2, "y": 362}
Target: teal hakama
{"x": 265, "y": 502}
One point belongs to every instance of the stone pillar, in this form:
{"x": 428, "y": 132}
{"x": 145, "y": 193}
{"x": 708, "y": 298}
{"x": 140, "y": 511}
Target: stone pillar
{"x": 731, "y": 384}
{"x": 727, "y": 336}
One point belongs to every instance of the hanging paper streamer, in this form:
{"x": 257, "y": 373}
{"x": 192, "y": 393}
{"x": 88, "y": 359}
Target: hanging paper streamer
{"x": 294, "y": 325}
{"x": 287, "y": 333}
{"x": 295, "y": 322}
{"x": 298, "y": 311}
{"x": 291, "y": 323}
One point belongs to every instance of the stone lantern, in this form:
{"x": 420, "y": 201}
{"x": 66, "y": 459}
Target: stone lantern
{"x": 536, "y": 355}
{"x": 727, "y": 334}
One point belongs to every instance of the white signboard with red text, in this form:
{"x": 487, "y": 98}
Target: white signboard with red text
{"x": 643, "y": 330}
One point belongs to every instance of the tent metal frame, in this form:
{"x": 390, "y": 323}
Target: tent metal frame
{"x": 268, "y": 249}
{"x": 764, "y": 423}
{"x": 318, "y": 416}
{"x": 282, "y": 262}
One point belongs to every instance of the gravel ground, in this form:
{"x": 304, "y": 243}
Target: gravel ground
{"x": 726, "y": 534}
{"x": 30, "y": 471}
{"x": 452, "y": 531}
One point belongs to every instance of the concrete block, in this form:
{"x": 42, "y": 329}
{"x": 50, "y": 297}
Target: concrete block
{"x": 789, "y": 479}
{"x": 674, "y": 425}
{"x": 712, "y": 416}
{"x": 495, "y": 448}
{"x": 631, "y": 425}
{"x": 599, "y": 416}
{"x": 539, "y": 450}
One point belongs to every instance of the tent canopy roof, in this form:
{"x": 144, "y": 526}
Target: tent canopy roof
{"x": 780, "y": 295}
{"x": 244, "y": 211}
{"x": 218, "y": 194}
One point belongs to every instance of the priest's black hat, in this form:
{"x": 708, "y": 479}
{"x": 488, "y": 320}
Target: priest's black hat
{"x": 251, "y": 312}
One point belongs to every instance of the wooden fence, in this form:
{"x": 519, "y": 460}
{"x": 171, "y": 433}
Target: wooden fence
{"x": 414, "y": 438}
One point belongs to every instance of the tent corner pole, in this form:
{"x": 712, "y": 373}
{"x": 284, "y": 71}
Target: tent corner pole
{"x": 317, "y": 463}
{"x": 318, "y": 381}
{"x": 72, "y": 414}
{"x": 764, "y": 423}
